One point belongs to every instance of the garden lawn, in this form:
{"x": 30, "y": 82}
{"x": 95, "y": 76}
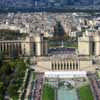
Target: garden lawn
{"x": 85, "y": 93}
{"x": 48, "y": 93}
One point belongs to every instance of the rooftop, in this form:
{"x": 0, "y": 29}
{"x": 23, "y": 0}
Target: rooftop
{"x": 56, "y": 51}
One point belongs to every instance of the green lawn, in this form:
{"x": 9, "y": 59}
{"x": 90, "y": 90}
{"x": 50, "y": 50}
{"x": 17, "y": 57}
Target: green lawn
{"x": 34, "y": 75}
{"x": 48, "y": 93}
{"x": 67, "y": 44}
{"x": 98, "y": 74}
{"x": 85, "y": 93}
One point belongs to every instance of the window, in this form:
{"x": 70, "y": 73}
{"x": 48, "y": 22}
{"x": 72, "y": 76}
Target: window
{"x": 68, "y": 66}
{"x": 34, "y": 49}
{"x": 73, "y": 65}
{"x": 64, "y": 66}
{"x": 55, "y": 66}
{"x": 52, "y": 66}
{"x": 61, "y": 66}
{"x": 77, "y": 66}
{"x": 93, "y": 48}
{"x": 58, "y": 66}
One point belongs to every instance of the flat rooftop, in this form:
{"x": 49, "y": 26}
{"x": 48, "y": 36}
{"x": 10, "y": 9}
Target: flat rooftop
{"x": 63, "y": 74}
{"x": 55, "y": 51}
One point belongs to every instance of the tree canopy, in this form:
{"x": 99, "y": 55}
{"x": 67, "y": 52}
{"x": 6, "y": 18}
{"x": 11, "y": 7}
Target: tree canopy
{"x": 59, "y": 31}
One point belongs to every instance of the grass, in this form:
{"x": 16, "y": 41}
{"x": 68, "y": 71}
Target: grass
{"x": 15, "y": 98}
{"x": 85, "y": 93}
{"x": 48, "y": 93}
{"x": 34, "y": 75}
{"x": 67, "y": 44}
{"x": 98, "y": 74}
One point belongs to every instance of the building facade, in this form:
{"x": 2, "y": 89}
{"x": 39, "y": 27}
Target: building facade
{"x": 85, "y": 58}
{"x": 30, "y": 46}
{"x": 89, "y": 44}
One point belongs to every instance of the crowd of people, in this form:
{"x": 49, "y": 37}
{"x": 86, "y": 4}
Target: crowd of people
{"x": 36, "y": 93}
{"x": 95, "y": 83}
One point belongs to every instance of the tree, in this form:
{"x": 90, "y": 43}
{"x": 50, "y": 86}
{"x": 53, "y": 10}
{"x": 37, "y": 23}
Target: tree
{"x": 59, "y": 31}
{"x": 1, "y": 87}
{"x": 28, "y": 61}
{"x": 12, "y": 90}
{"x": 12, "y": 72}
{"x": 12, "y": 64}
{"x": 14, "y": 53}
{"x": 21, "y": 66}
{"x": 5, "y": 69}
{"x": 1, "y": 57}
{"x": 1, "y": 90}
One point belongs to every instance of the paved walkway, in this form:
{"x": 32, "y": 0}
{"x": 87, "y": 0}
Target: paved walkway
{"x": 29, "y": 86}
{"x": 36, "y": 92}
{"x": 95, "y": 85}
{"x": 26, "y": 74}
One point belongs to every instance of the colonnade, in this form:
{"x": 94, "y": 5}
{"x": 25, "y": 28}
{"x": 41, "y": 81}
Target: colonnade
{"x": 65, "y": 65}
{"x": 23, "y": 48}
{"x": 9, "y": 46}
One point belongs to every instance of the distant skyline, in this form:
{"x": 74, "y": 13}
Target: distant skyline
{"x": 61, "y": 4}
{"x": 31, "y": 3}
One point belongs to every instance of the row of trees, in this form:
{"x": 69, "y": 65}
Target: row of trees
{"x": 11, "y": 77}
{"x": 59, "y": 33}
{"x": 7, "y": 34}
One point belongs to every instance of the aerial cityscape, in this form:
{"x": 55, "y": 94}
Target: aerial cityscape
{"x": 49, "y": 50}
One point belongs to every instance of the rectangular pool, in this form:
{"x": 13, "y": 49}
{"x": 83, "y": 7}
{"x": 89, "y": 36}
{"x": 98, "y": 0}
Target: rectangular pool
{"x": 66, "y": 94}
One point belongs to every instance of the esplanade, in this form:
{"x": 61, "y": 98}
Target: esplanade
{"x": 70, "y": 59}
